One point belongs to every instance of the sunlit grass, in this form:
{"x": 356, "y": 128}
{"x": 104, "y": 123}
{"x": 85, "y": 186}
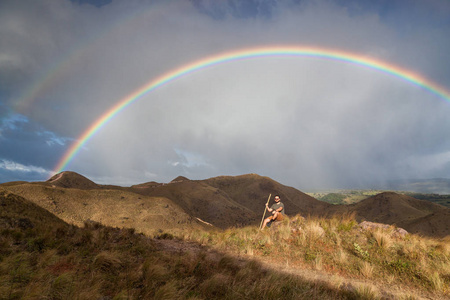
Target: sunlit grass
{"x": 339, "y": 245}
{"x": 94, "y": 262}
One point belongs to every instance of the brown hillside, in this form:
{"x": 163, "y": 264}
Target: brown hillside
{"x": 224, "y": 201}
{"x": 252, "y": 191}
{"x": 203, "y": 201}
{"x": 435, "y": 224}
{"x": 12, "y": 183}
{"x": 416, "y": 216}
{"x": 17, "y": 212}
{"x": 73, "y": 180}
{"x": 227, "y": 201}
{"x": 115, "y": 208}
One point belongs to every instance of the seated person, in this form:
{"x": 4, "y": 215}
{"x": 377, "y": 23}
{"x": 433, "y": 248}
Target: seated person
{"x": 277, "y": 210}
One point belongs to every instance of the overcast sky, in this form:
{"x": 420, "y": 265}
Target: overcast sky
{"x": 308, "y": 123}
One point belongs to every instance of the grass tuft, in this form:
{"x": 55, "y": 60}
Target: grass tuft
{"x": 366, "y": 292}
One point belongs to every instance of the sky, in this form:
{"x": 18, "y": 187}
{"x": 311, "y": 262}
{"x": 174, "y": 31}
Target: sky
{"x": 306, "y": 122}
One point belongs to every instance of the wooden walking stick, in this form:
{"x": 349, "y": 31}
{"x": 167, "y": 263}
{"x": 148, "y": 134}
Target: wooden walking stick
{"x": 264, "y": 212}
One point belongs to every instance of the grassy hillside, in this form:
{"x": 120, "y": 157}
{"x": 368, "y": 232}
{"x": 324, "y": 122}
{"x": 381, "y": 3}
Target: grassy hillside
{"x": 376, "y": 263}
{"x": 203, "y": 201}
{"x": 110, "y": 207}
{"x": 17, "y": 212}
{"x": 230, "y": 201}
{"x": 252, "y": 191}
{"x": 224, "y": 201}
{"x": 312, "y": 258}
{"x": 416, "y": 216}
{"x": 44, "y": 257}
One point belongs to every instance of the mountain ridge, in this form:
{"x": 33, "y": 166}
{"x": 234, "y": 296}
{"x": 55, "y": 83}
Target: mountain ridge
{"x": 223, "y": 201}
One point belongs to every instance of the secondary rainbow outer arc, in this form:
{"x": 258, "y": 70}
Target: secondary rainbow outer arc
{"x": 348, "y": 57}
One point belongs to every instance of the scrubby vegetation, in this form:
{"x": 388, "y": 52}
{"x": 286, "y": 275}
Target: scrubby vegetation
{"x": 42, "y": 257}
{"x": 97, "y": 262}
{"x": 340, "y": 246}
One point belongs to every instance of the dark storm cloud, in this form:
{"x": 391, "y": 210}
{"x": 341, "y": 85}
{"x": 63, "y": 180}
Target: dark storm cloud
{"x": 305, "y": 122}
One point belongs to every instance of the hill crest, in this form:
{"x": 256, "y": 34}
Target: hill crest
{"x": 68, "y": 179}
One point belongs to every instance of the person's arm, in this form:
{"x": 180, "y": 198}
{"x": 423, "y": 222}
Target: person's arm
{"x": 276, "y": 210}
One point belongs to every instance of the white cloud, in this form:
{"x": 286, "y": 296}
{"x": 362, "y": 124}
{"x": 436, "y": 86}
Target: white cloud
{"x": 16, "y": 167}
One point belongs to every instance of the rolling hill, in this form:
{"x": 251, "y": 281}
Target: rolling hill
{"x": 117, "y": 208}
{"x": 228, "y": 201}
{"x": 253, "y": 190}
{"x": 416, "y": 216}
{"x": 72, "y": 180}
{"x": 17, "y": 212}
{"x": 43, "y": 255}
{"x": 223, "y": 202}
{"x": 203, "y": 201}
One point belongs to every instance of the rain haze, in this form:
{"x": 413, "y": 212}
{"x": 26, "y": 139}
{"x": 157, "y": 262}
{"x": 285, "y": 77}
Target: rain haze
{"x": 307, "y": 122}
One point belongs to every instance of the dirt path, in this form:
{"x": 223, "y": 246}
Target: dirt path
{"x": 56, "y": 178}
{"x": 384, "y": 289}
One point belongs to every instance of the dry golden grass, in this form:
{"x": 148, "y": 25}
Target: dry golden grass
{"x": 383, "y": 239}
{"x": 65, "y": 262}
{"x": 338, "y": 245}
{"x": 366, "y": 269}
{"x": 367, "y": 292}
{"x": 102, "y": 262}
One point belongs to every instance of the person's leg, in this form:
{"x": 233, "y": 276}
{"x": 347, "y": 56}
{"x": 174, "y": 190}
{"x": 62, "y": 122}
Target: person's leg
{"x": 275, "y": 216}
{"x": 267, "y": 220}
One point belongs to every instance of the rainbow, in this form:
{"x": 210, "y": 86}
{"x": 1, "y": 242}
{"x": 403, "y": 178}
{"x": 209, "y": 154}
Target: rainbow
{"x": 289, "y": 51}
{"x": 57, "y": 70}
